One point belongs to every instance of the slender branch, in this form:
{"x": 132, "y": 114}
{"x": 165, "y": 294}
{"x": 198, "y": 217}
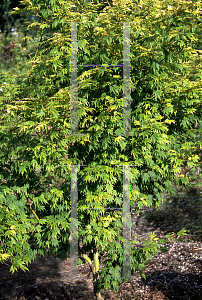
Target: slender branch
{"x": 32, "y": 64}
{"x": 89, "y": 261}
{"x": 33, "y": 211}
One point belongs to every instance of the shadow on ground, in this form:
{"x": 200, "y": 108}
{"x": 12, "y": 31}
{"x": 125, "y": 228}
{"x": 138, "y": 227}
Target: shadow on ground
{"x": 184, "y": 211}
{"x": 172, "y": 275}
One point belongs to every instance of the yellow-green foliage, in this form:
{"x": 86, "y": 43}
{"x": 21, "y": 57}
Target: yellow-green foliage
{"x": 37, "y": 149}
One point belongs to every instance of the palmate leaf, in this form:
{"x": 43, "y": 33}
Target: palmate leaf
{"x": 38, "y": 149}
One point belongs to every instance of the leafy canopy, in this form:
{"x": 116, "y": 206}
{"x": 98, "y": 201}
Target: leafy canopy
{"x": 37, "y": 151}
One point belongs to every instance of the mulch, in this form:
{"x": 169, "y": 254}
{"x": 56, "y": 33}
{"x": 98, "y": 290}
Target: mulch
{"x": 173, "y": 275}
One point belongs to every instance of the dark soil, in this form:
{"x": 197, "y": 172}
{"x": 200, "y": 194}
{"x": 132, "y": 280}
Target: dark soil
{"x": 173, "y": 275}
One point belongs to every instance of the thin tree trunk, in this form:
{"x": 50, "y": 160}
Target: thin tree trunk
{"x": 97, "y": 294}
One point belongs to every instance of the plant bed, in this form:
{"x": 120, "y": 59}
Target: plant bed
{"x": 172, "y": 275}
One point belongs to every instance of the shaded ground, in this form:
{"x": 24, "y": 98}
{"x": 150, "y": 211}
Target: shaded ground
{"x": 173, "y": 275}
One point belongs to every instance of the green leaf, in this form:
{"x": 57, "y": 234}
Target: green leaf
{"x": 45, "y": 165}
